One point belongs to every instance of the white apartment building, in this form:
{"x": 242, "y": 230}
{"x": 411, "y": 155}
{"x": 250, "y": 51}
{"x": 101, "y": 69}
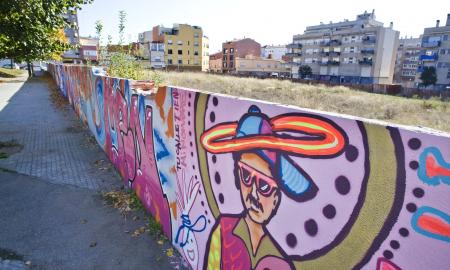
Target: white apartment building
{"x": 362, "y": 51}
{"x": 436, "y": 53}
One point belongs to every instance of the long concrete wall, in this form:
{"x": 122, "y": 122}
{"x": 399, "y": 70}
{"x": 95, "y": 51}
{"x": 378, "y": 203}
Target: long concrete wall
{"x": 244, "y": 184}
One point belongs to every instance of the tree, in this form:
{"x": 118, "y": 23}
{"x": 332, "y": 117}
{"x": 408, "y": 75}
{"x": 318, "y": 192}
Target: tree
{"x": 428, "y": 76}
{"x": 304, "y": 71}
{"x": 34, "y": 29}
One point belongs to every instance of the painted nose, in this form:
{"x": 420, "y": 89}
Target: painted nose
{"x": 254, "y": 188}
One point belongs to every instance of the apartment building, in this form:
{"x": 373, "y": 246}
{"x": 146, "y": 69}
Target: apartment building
{"x": 144, "y": 39}
{"x": 407, "y": 61}
{"x": 181, "y": 47}
{"x": 215, "y": 62}
{"x": 361, "y": 51}
{"x": 260, "y": 67}
{"x": 238, "y": 48}
{"x": 436, "y": 53}
{"x": 73, "y": 37}
{"x": 89, "y": 48}
{"x": 275, "y": 52}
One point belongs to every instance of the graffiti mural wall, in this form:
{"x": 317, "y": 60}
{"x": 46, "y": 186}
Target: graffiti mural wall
{"x": 243, "y": 184}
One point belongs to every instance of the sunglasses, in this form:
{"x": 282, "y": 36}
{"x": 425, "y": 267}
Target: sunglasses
{"x": 264, "y": 184}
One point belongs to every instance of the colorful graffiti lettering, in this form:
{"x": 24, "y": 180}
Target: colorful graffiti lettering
{"x": 242, "y": 184}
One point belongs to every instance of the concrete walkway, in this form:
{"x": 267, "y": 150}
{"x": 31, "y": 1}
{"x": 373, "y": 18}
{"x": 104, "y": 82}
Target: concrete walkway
{"x": 52, "y": 213}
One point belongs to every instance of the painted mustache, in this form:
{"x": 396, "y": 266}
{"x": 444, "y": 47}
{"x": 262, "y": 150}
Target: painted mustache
{"x": 255, "y": 202}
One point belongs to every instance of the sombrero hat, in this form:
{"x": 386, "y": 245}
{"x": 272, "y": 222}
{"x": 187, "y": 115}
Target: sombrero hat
{"x": 274, "y": 139}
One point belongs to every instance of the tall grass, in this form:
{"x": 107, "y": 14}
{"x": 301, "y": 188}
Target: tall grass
{"x": 431, "y": 113}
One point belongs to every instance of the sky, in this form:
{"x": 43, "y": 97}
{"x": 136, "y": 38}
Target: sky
{"x": 268, "y": 22}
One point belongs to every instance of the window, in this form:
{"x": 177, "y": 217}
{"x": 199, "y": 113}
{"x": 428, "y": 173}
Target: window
{"x": 180, "y": 62}
{"x": 196, "y": 43}
{"x": 169, "y": 61}
{"x": 188, "y": 43}
{"x": 180, "y": 42}
{"x": 169, "y": 51}
{"x": 232, "y": 50}
{"x": 448, "y": 73}
{"x": 195, "y": 52}
{"x": 196, "y": 35}
{"x": 180, "y": 51}
{"x": 169, "y": 41}
{"x": 225, "y": 51}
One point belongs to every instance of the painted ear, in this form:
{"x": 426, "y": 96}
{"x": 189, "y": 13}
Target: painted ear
{"x": 294, "y": 181}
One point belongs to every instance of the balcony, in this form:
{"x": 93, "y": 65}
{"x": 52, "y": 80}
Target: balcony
{"x": 431, "y": 44}
{"x": 334, "y": 63}
{"x": 432, "y": 57}
{"x": 293, "y": 54}
{"x": 325, "y": 53}
{"x": 368, "y": 51}
{"x": 335, "y": 53}
{"x": 366, "y": 62}
{"x": 323, "y": 63}
{"x": 369, "y": 40}
{"x": 324, "y": 43}
{"x": 335, "y": 42}
{"x": 294, "y": 46}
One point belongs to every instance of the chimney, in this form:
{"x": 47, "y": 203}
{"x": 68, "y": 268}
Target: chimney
{"x": 448, "y": 20}
{"x": 437, "y": 23}
{"x": 391, "y": 25}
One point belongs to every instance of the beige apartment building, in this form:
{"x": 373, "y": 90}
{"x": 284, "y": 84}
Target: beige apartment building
{"x": 361, "y": 51}
{"x": 181, "y": 47}
{"x": 407, "y": 61}
{"x": 260, "y": 67}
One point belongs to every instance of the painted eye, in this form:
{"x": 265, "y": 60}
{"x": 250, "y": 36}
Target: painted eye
{"x": 263, "y": 186}
{"x": 246, "y": 175}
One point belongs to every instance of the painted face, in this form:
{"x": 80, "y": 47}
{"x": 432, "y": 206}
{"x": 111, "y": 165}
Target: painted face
{"x": 259, "y": 191}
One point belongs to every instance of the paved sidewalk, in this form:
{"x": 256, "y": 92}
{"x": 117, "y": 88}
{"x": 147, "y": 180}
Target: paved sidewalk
{"x": 51, "y": 211}
{"x": 56, "y": 146}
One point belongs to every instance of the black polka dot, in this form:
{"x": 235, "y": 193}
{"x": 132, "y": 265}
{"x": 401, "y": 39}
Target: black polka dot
{"x": 411, "y": 207}
{"x": 189, "y": 94}
{"x": 403, "y": 232}
{"x": 202, "y": 203}
{"x": 351, "y": 153}
{"x": 193, "y": 167}
{"x": 189, "y": 123}
{"x": 206, "y": 212}
{"x": 395, "y": 244}
{"x": 209, "y": 221}
{"x": 418, "y": 192}
{"x": 342, "y": 185}
{"x": 212, "y": 117}
{"x": 189, "y": 113}
{"x": 214, "y": 159}
{"x": 199, "y": 191}
{"x": 311, "y": 227}
{"x": 192, "y": 154}
{"x": 414, "y": 143}
{"x": 196, "y": 177}
{"x": 190, "y": 133}
{"x": 189, "y": 104}
{"x": 221, "y": 198}
{"x": 414, "y": 165}
{"x": 329, "y": 211}
{"x": 217, "y": 177}
{"x": 388, "y": 254}
{"x": 191, "y": 144}
{"x": 215, "y": 101}
{"x": 265, "y": 268}
{"x": 291, "y": 240}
